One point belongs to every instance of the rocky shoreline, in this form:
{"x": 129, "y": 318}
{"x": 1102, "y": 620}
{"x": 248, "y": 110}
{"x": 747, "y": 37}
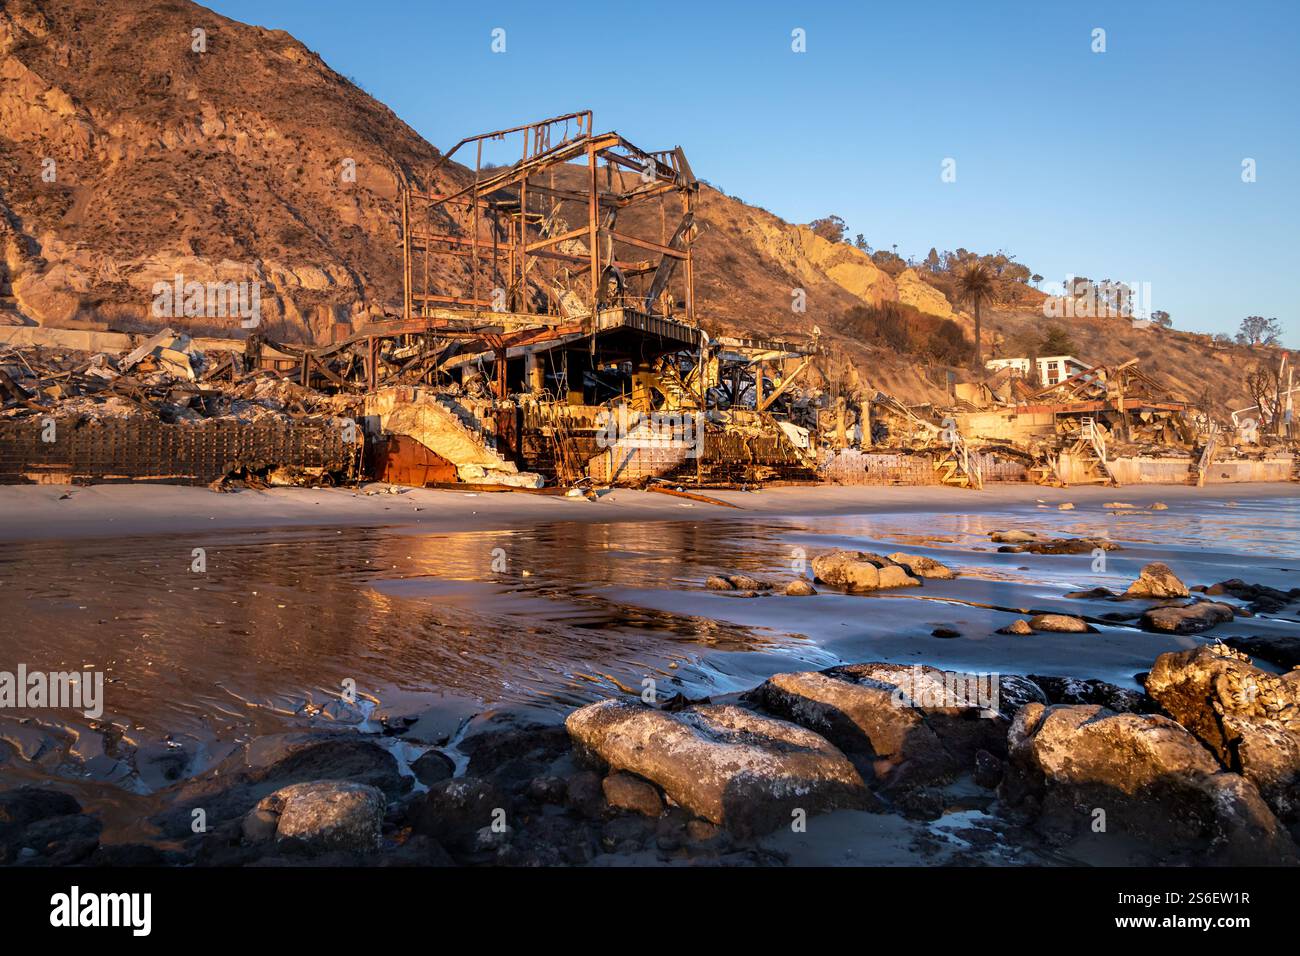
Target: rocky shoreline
{"x": 1201, "y": 767}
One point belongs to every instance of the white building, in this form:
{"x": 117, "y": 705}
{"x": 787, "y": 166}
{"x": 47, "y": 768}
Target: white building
{"x": 1052, "y": 369}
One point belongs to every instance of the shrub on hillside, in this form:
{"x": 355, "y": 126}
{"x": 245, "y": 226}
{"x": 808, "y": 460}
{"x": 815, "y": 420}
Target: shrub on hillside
{"x": 909, "y": 331}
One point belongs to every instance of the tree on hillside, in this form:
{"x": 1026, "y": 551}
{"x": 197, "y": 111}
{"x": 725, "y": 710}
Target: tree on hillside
{"x": 1257, "y": 330}
{"x": 861, "y": 244}
{"x": 975, "y": 285}
{"x": 1056, "y": 341}
{"x": 831, "y": 228}
{"x": 1161, "y": 318}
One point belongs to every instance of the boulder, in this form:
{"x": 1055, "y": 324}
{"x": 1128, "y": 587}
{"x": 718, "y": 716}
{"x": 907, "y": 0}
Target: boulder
{"x": 1248, "y": 717}
{"x": 728, "y": 765}
{"x": 454, "y": 811}
{"x": 715, "y": 583}
{"x": 923, "y": 567}
{"x": 1016, "y": 627}
{"x": 627, "y": 792}
{"x": 1062, "y": 623}
{"x": 860, "y": 571}
{"x": 325, "y": 815}
{"x": 432, "y": 766}
{"x": 1259, "y": 597}
{"x": 1157, "y": 581}
{"x": 1012, "y": 537}
{"x": 234, "y": 786}
{"x": 1279, "y": 649}
{"x": 24, "y": 810}
{"x": 1186, "y": 618}
{"x": 743, "y": 582}
{"x": 1073, "y": 690}
{"x": 1152, "y": 779}
{"x": 1037, "y": 545}
{"x": 916, "y": 725}
{"x": 800, "y": 588}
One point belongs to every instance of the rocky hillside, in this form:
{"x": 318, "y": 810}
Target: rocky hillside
{"x": 132, "y": 150}
{"x": 127, "y": 157}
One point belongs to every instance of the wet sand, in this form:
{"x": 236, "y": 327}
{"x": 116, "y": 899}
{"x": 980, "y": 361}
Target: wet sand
{"x": 440, "y": 604}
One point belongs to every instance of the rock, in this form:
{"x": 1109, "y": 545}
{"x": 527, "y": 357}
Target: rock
{"x": 1260, "y": 598}
{"x": 1066, "y": 506}
{"x": 1012, "y": 537}
{"x": 800, "y": 588}
{"x": 923, "y": 567}
{"x": 326, "y": 815}
{"x": 946, "y": 633}
{"x": 1016, "y": 627}
{"x": 585, "y": 794}
{"x": 1157, "y": 581}
{"x": 24, "y": 807}
{"x": 860, "y": 571}
{"x": 62, "y": 840}
{"x": 730, "y": 766}
{"x": 715, "y": 583}
{"x": 1072, "y": 690}
{"x": 1159, "y": 506}
{"x": 1277, "y": 649}
{"x": 1152, "y": 779}
{"x": 743, "y": 582}
{"x": 432, "y": 766}
{"x": 1249, "y": 718}
{"x": 234, "y": 786}
{"x": 512, "y": 746}
{"x": 1092, "y": 594}
{"x": 454, "y": 811}
{"x": 1187, "y": 618}
{"x": 918, "y": 725}
{"x": 988, "y": 770}
{"x": 259, "y": 825}
{"x": 1037, "y": 545}
{"x": 702, "y": 831}
{"x": 1060, "y": 623}
{"x": 628, "y": 792}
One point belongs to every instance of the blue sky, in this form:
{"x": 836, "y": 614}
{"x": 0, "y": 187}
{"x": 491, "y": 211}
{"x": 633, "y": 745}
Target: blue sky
{"x": 1125, "y": 164}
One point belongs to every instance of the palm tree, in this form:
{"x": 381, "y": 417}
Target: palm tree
{"x": 975, "y": 285}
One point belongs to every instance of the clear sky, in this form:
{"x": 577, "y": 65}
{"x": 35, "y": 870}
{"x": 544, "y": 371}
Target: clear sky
{"x": 1124, "y": 164}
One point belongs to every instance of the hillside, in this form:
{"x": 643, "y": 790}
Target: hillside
{"x": 230, "y": 164}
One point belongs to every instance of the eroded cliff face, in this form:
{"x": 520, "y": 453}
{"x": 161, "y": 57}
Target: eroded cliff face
{"x": 133, "y": 149}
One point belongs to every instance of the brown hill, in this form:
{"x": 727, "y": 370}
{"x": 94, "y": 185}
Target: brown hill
{"x": 128, "y": 156}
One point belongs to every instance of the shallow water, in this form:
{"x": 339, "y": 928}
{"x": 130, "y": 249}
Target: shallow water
{"x": 281, "y": 622}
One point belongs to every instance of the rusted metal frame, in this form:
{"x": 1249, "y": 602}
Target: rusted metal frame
{"x": 523, "y": 231}
{"x": 478, "y": 164}
{"x": 554, "y": 240}
{"x": 406, "y": 253}
{"x": 583, "y": 117}
{"x": 512, "y": 174}
{"x": 454, "y": 300}
{"x": 781, "y": 389}
{"x": 645, "y": 244}
{"x": 688, "y": 211}
{"x": 593, "y": 213}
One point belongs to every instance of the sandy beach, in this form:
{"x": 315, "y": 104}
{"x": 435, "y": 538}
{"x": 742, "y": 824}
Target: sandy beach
{"x": 454, "y": 614}
{"x": 57, "y": 511}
